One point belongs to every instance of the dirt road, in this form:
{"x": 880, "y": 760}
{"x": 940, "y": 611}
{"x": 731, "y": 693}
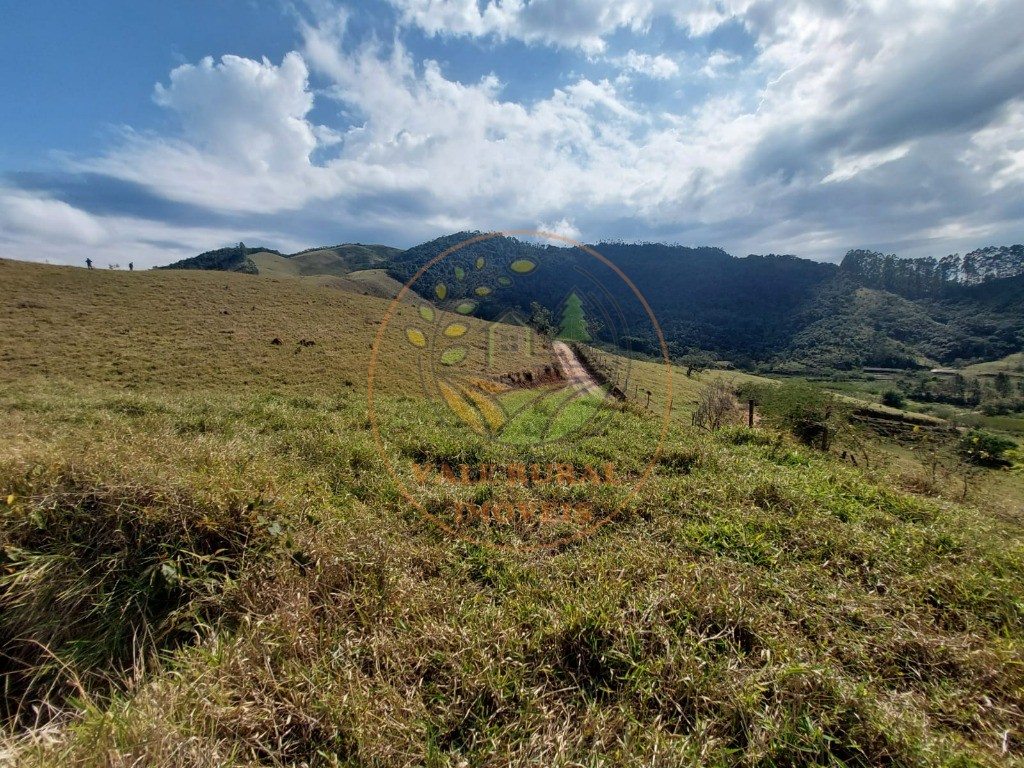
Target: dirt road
{"x": 577, "y": 376}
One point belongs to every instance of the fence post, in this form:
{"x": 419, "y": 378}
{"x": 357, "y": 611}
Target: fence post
{"x": 750, "y": 413}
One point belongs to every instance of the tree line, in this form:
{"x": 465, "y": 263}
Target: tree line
{"x": 929, "y": 276}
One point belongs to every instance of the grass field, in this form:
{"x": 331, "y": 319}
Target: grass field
{"x": 205, "y": 563}
{"x": 194, "y": 331}
{"x": 1012, "y": 365}
{"x": 637, "y": 377}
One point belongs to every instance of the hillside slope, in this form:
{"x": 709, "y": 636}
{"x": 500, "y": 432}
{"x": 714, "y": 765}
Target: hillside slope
{"x": 771, "y": 310}
{"x": 204, "y": 561}
{"x": 337, "y": 260}
{"x": 192, "y": 330}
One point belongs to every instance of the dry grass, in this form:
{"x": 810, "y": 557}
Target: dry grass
{"x": 756, "y": 605}
{"x": 187, "y": 331}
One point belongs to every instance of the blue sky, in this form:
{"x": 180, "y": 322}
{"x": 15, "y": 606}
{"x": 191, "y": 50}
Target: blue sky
{"x": 152, "y": 131}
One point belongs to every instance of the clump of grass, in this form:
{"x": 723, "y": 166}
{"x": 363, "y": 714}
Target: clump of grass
{"x": 97, "y": 573}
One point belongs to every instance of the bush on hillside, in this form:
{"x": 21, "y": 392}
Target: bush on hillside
{"x": 811, "y": 414}
{"x": 985, "y": 449}
{"x": 893, "y": 398}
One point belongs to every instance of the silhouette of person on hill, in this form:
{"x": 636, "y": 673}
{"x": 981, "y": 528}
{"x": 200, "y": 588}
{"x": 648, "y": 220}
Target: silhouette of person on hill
{"x": 88, "y": 263}
{"x": 131, "y": 266}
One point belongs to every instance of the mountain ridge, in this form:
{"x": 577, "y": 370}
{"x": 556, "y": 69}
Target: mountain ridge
{"x": 769, "y": 310}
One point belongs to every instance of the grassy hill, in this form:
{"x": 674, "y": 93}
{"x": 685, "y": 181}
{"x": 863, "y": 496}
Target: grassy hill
{"x": 192, "y": 331}
{"x": 337, "y": 261}
{"x": 1011, "y": 365}
{"x": 204, "y": 562}
{"x": 327, "y": 272}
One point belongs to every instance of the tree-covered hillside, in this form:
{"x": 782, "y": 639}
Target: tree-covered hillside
{"x": 773, "y": 310}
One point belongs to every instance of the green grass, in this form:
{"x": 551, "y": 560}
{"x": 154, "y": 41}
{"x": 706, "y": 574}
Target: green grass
{"x": 755, "y": 604}
{"x": 1011, "y": 364}
{"x": 641, "y": 376}
{"x": 1012, "y": 425}
{"x": 551, "y": 416}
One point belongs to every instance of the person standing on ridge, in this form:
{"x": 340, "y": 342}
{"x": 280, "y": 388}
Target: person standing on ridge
{"x": 88, "y": 263}
{"x": 131, "y": 266}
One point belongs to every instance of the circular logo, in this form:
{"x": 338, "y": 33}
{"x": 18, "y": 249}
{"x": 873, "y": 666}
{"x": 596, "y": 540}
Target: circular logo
{"x": 504, "y": 384}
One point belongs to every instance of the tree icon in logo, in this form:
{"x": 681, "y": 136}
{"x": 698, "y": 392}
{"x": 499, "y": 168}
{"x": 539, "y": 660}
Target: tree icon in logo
{"x": 574, "y": 323}
{"x": 442, "y": 342}
{"x": 510, "y": 342}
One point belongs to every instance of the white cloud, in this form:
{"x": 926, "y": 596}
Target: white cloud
{"x": 997, "y": 151}
{"x": 26, "y": 215}
{"x": 659, "y": 67}
{"x": 846, "y": 168}
{"x": 583, "y": 24}
{"x": 246, "y": 142}
{"x": 778, "y": 161}
{"x": 564, "y": 227}
{"x": 717, "y": 62}
{"x": 38, "y": 228}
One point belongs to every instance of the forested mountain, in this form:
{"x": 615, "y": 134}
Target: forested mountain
{"x": 233, "y": 259}
{"x": 777, "y": 310}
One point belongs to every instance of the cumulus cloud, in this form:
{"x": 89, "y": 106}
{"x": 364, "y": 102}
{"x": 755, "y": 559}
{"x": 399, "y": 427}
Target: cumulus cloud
{"x": 564, "y": 227}
{"x": 659, "y": 67}
{"x": 583, "y": 24}
{"x": 850, "y": 124}
{"x": 246, "y": 144}
{"x": 35, "y": 227}
{"x": 28, "y": 215}
{"x": 718, "y": 62}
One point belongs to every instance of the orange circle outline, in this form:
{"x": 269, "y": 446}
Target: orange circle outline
{"x": 373, "y": 417}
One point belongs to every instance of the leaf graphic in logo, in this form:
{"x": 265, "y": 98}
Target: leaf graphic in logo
{"x": 455, "y": 330}
{"x": 483, "y": 290}
{"x": 465, "y": 307}
{"x": 416, "y": 337}
{"x": 522, "y": 266}
{"x": 493, "y": 413}
{"x": 480, "y": 262}
{"x": 461, "y": 407}
{"x": 427, "y": 312}
{"x": 504, "y": 282}
{"x": 460, "y": 274}
{"x": 441, "y": 291}
{"x": 453, "y": 356}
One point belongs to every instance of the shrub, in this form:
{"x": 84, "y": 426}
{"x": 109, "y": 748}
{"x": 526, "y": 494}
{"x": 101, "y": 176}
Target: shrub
{"x": 811, "y": 414}
{"x": 985, "y": 448}
{"x": 893, "y": 398}
{"x": 715, "y": 401}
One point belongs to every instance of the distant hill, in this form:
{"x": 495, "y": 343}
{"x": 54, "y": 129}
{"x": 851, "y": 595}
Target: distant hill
{"x": 769, "y": 310}
{"x": 233, "y": 259}
{"x": 336, "y": 260}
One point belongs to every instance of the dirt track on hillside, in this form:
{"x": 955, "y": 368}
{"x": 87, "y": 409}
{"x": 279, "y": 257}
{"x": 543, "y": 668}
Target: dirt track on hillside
{"x": 576, "y": 375}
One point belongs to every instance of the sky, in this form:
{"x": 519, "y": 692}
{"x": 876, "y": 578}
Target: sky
{"x": 149, "y": 132}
